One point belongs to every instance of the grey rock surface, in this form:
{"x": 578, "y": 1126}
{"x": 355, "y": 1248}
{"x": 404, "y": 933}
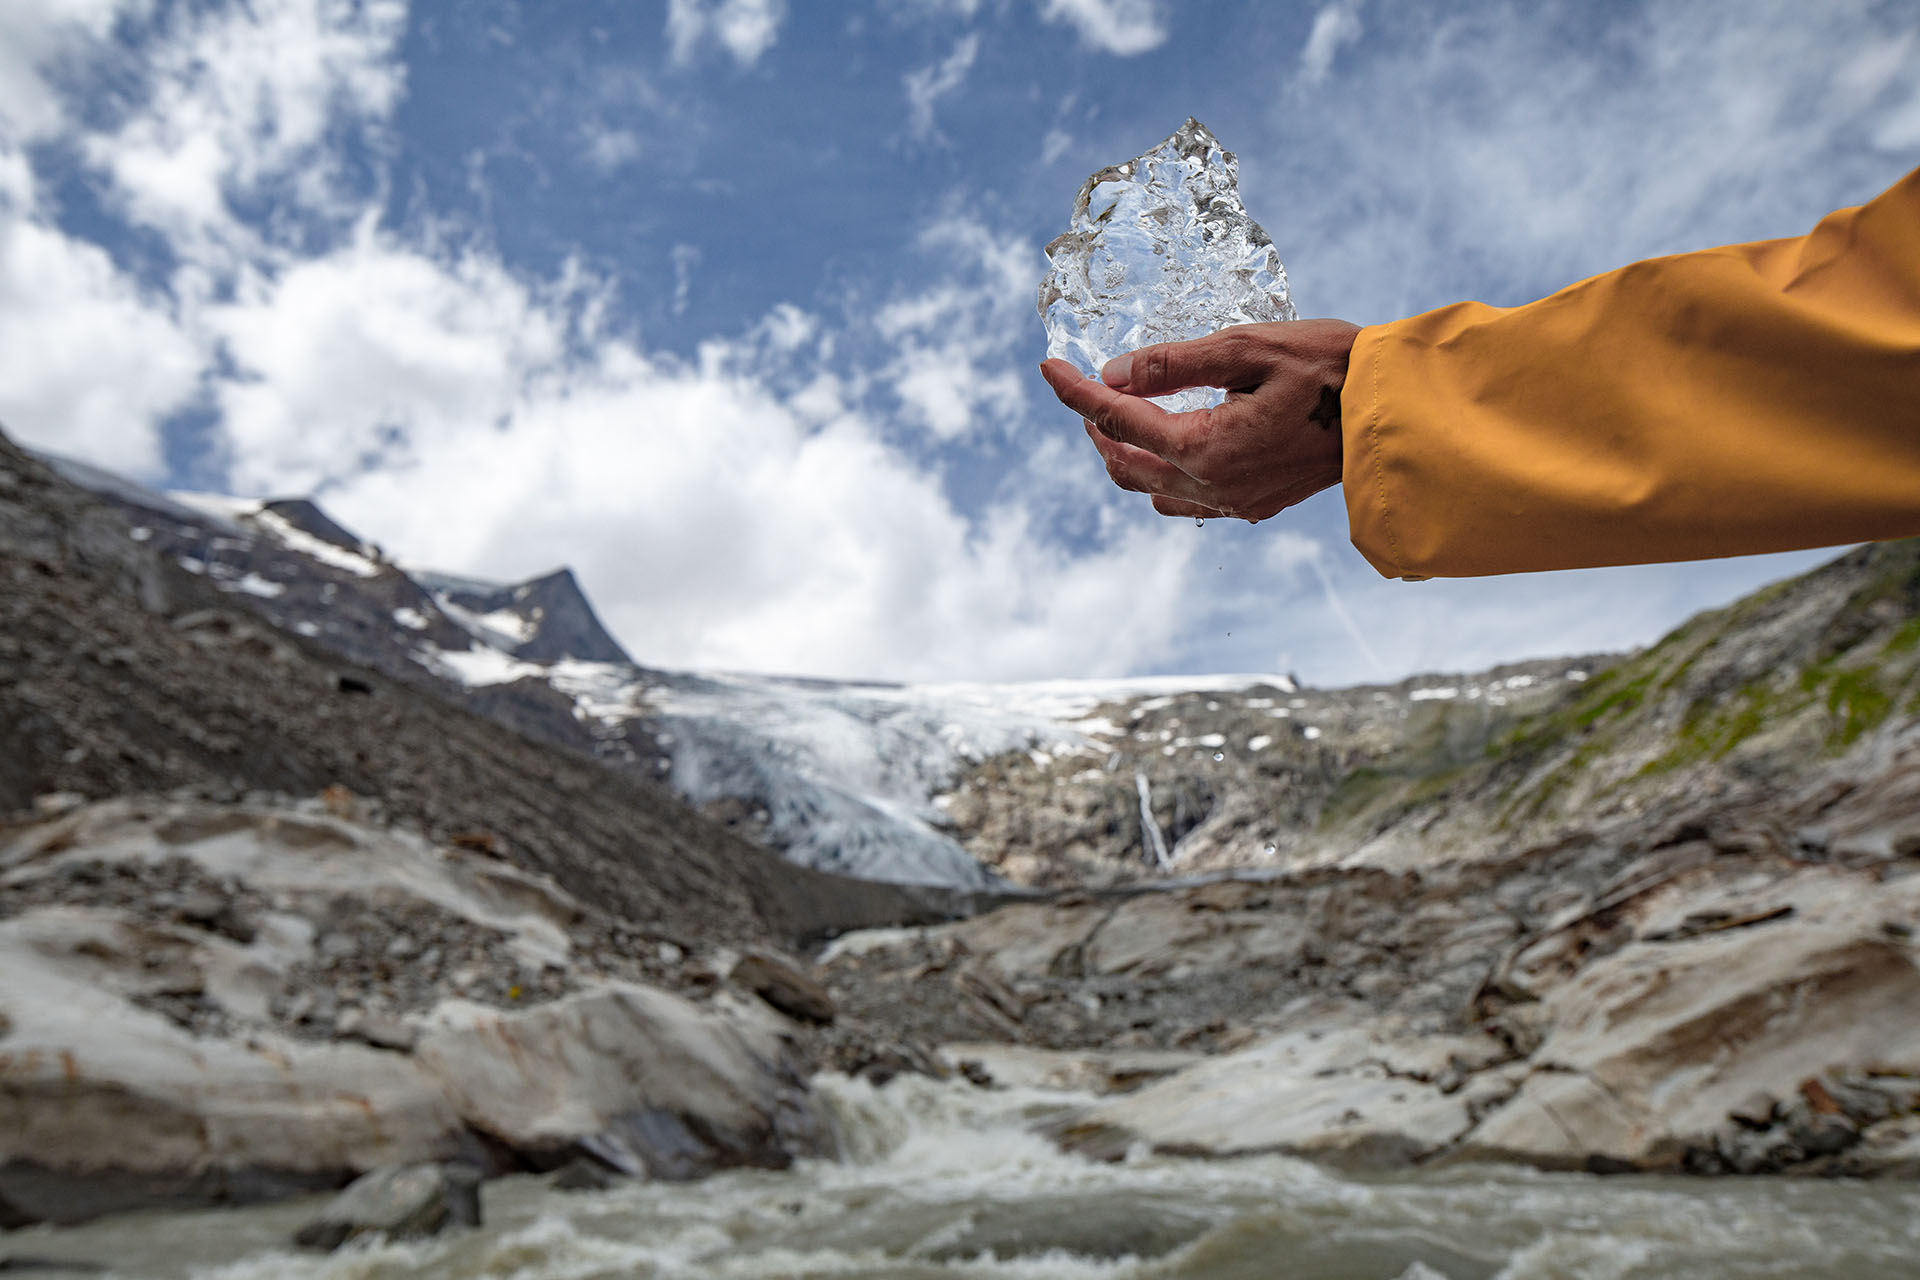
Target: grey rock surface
{"x": 338, "y": 997}
{"x": 407, "y": 1202}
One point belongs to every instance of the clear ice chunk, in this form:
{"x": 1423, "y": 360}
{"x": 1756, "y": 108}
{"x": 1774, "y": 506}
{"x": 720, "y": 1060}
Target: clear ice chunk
{"x": 1160, "y": 250}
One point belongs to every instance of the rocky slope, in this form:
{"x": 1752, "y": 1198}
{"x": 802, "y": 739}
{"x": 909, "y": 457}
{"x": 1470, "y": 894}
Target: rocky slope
{"x": 1775, "y": 688}
{"x": 122, "y": 671}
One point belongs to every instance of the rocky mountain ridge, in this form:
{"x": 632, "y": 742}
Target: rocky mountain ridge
{"x": 123, "y": 671}
{"x": 960, "y": 785}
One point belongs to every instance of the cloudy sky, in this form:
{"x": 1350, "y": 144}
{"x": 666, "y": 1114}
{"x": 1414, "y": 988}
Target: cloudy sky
{"x": 728, "y": 304}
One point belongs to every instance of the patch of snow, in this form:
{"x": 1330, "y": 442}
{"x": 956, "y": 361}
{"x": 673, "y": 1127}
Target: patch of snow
{"x": 607, "y": 692}
{"x": 508, "y": 623}
{"x": 411, "y": 619}
{"x": 306, "y": 628}
{"x": 475, "y": 668}
{"x": 1212, "y": 739}
{"x": 192, "y": 565}
{"x": 218, "y": 505}
{"x": 140, "y": 533}
{"x": 1433, "y": 693}
{"x": 1310, "y": 733}
{"x": 1576, "y": 675}
{"x": 255, "y": 585}
{"x": 501, "y": 629}
{"x": 1259, "y": 742}
{"x": 295, "y": 539}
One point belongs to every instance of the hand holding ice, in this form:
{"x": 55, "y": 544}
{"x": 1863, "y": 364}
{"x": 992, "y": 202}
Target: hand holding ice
{"x": 1160, "y": 250}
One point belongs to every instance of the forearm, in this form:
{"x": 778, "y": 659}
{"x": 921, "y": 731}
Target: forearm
{"x": 1751, "y": 398}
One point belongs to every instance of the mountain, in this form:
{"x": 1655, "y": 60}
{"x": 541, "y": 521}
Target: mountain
{"x": 1075, "y": 783}
{"x": 959, "y": 785}
{"x": 134, "y": 658}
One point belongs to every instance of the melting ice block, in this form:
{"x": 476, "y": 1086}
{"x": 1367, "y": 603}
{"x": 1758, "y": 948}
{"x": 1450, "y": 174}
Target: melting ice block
{"x": 1160, "y": 249}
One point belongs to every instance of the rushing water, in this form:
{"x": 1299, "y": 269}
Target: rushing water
{"x": 944, "y": 1180}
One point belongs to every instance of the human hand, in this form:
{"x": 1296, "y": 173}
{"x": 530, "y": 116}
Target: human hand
{"x": 1274, "y": 441}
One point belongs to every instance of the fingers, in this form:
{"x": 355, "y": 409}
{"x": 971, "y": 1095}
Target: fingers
{"x": 1125, "y": 418}
{"x": 1142, "y": 472}
{"x": 1232, "y": 358}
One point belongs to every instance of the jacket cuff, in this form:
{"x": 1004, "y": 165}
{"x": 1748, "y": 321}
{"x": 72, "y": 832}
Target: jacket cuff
{"x": 1364, "y": 466}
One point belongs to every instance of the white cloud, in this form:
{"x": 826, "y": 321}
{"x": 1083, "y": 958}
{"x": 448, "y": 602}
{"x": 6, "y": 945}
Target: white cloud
{"x": 717, "y": 521}
{"x": 1334, "y": 28}
{"x": 89, "y": 366}
{"x": 744, "y": 28}
{"x": 953, "y": 342}
{"x": 240, "y": 97}
{"x": 36, "y": 35}
{"x": 927, "y": 85}
{"x": 1123, "y": 27}
{"x": 1483, "y": 154}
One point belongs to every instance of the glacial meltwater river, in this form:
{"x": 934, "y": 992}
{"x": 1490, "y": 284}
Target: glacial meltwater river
{"x": 943, "y": 1180}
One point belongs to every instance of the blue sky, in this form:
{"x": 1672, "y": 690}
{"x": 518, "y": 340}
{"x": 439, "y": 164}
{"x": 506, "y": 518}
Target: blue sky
{"x": 729, "y": 303}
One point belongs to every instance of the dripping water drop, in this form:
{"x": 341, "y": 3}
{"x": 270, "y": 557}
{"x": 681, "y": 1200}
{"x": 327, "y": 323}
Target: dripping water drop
{"x": 1219, "y": 756}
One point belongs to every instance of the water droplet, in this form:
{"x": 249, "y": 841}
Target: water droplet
{"x": 1199, "y": 522}
{"x": 1269, "y": 849}
{"x": 1229, "y": 633}
{"x": 1219, "y": 756}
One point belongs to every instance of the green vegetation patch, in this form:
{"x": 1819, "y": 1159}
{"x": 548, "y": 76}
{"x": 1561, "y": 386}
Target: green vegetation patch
{"x": 1906, "y": 638}
{"x": 1712, "y": 728}
{"x": 1401, "y": 791}
{"x": 1856, "y": 698}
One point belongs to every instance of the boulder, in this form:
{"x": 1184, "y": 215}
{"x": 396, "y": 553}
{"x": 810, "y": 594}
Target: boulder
{"x": 783, "y": 986}
{"x": 1327, "y": 1091}
{"x": 1663, "y": 1050}
{"x": 640, "y": 1079}
{"x": 582, "y": 1174}
{"x": 106, "y": 1106}
{"x": 404, "y": 1202}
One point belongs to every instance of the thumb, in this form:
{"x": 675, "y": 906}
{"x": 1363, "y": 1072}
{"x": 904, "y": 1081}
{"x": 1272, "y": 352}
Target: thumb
{"x": 1224, "y": 359}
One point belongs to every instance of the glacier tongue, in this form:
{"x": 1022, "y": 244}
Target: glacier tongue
{"x": 1161, "y": 249}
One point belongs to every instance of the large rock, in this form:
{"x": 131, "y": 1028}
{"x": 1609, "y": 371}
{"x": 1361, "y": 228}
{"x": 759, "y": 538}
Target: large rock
{"x": 640, "y": 1079}
{"x": 106, "y": 1106}
{"x": 1653, "y": 1054}
{"x": 1361, "y": 1096}
{"x": 783, "y": 986}
{"x": 404, "y": 1203}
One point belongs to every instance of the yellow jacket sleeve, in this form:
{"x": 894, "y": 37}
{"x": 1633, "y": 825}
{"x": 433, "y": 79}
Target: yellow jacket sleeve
{"x": 1756, "y": 397}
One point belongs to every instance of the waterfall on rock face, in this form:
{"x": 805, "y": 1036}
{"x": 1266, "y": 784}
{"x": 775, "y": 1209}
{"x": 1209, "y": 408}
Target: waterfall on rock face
{"x": 1153, "y": 845}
